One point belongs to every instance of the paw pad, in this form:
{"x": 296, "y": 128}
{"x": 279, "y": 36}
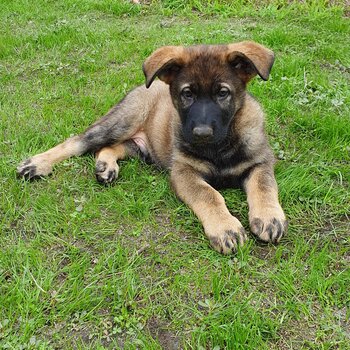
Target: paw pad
{"x": 27, "y": 170}
{"x": 104, "y": 174}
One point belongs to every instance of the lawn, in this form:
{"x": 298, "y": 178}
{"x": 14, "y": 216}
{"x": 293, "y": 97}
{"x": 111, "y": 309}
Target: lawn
{"x": 84, "y": 266}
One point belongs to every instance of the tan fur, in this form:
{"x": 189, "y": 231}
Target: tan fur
{"x": 106, "y": 160}
{"x": 262, "y": 57}
{"x": 159, "y": 59}
{"x": 209, "y": 206}
{"x": 46, "y": 160}
{"x": 264, "y": 207}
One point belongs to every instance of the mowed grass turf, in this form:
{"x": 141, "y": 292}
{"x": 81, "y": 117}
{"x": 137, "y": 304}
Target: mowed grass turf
{"x": 128, "y": 267}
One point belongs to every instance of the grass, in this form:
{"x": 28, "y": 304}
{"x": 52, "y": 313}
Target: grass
{"x": 88, "y": 267}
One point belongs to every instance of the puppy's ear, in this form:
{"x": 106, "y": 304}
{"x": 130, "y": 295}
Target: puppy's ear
{"x": 250, "y": 59}
{"x": 164, "y": 63}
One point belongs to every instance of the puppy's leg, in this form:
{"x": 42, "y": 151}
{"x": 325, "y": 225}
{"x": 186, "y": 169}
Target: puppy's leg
{"x": 107, "y": 168}
{"x": 117, "y": 126}
{"x": 41, "y": 164}
{"x": 266, "y": 217}
{"x": 224, "y": 231}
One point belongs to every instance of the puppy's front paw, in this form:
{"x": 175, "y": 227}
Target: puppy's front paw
{"x": 106, "y": 173}
{"x": 33, "y": 168}
{"x": 226, "y": 237}
{"x": 269, "y": 228}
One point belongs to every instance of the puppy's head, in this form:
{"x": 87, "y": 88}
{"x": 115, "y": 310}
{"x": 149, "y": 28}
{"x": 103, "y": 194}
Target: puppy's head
{"x": 207, "y": 84}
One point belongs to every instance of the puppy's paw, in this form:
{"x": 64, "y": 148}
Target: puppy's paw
{"x": 269, "y": 228}
{"x": 106, "y": 173}
{"x": 33, "y": 168}
{"x": 228, "y": 237}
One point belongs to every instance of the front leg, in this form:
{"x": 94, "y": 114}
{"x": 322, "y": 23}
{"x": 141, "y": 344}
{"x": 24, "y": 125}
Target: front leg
{"x": 224, "y": 231}
{"x": 266, "y": 217}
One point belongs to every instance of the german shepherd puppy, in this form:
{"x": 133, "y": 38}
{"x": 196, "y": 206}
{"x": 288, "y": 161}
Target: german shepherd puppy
{"x": 199, "y": 122}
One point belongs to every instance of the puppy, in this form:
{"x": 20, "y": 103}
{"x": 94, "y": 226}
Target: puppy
{"x": 199, "y": 122}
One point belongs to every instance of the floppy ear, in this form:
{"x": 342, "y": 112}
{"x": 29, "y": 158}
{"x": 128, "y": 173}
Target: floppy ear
{"x": 164, "y": 63}
{"x": 250, "y": 59}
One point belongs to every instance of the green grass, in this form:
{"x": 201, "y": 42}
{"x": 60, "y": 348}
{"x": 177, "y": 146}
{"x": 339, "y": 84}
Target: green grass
{"x": 128, "y": 266}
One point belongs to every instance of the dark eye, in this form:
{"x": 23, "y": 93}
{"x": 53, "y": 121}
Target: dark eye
{"x": 187, "y": 93}
{"x": 223, "y": 93}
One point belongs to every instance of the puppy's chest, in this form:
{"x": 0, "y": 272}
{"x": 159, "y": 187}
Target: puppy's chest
{"x": 227, "y": 178}
{"x": 227, "y": 168}
{"x": 222, "y": 158}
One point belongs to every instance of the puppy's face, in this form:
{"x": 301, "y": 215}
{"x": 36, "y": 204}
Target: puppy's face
{"x": 206, "y": 93}
{"x": 207, "y": 84}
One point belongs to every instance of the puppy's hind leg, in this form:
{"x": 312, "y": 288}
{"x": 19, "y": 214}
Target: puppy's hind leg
{"x": 117, "y": 126}
{"x": 41, "y": 164}
{"x": 93, "y": 139}
{"x": 107, "y": 168}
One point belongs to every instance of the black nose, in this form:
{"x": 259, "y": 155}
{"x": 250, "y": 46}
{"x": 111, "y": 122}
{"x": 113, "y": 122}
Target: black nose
{"x": 202, "y": 131}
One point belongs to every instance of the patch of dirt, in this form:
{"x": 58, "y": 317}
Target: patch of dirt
{"x": 344, "y": 320}
{"x": 295, "y": 336}
{"x": 160, "y": 332}
{"x": 337, "y": 66}
{"x": 263, "y": 251}
{"x": 314, "y": 329}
